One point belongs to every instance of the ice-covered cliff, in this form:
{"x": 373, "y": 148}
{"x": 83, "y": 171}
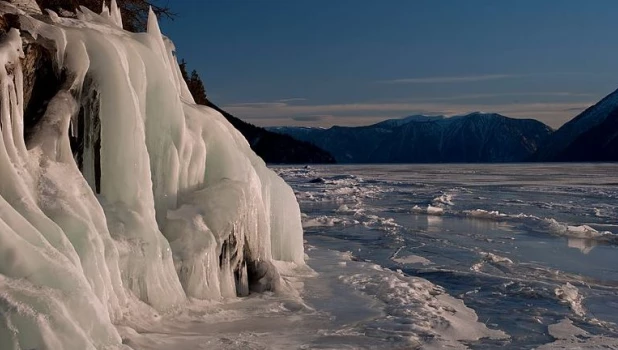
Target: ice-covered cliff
{"x": 128, "y": 199}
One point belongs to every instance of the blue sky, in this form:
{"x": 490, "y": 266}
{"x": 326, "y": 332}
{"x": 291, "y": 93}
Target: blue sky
{"x": 355, "y": 62}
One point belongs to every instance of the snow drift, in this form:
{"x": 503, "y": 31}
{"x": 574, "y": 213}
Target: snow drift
{"x": 166, "y": 201}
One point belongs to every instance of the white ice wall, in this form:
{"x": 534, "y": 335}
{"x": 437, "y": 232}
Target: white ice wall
{"x": 183, "y": 200}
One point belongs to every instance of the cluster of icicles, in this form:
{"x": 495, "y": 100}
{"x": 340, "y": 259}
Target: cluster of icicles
{"x": 167, "y": 202}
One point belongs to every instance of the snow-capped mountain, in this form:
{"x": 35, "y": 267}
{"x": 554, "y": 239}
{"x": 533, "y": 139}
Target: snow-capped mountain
{"x": 412, "y": 118}
{"x": 475, "y": 137}
{"x": 591, "y": 136}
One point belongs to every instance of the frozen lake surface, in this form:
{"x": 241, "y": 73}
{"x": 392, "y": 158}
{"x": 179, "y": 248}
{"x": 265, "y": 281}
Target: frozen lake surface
{"x": 434, "y": 256}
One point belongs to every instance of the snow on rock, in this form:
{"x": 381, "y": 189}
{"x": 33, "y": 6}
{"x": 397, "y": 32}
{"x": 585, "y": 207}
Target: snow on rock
{"x": 569, "y": 294}
{"x": 26, "y": 5}
{"x": 496, "y": 259}
{"x": 443, "y": 199}
{"x": 166, "y": 202}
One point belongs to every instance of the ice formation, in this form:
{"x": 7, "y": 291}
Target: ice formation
{"x": 569, "y": 336}
{"x": 163, "y": 201}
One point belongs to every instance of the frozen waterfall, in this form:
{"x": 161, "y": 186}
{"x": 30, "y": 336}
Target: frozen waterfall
{"x": 161, "y": 201}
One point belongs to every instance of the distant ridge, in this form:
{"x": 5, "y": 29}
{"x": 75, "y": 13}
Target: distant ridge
{"x": 405, "y": 120}
{"x": 473, "y": 138}
{"x": 592, "y": 136}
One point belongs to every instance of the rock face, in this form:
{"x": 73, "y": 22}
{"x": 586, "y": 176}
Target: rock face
{"x": 41, "y": 82}
{"x": 592, "y": 136}
{"x": 473, "y": 138}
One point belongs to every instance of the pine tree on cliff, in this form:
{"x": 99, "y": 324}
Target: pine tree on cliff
{"x": 183, "y": 70}
{"x": 195, "y": 84}
{"x": 197, "y": 88}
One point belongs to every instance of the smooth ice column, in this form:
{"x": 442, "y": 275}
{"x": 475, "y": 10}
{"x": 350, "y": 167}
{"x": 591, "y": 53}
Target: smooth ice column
{"x": 126, "y": 183}
{"x": 17, "y": 186}
{"x": 286, "y": 229}
{"x": 196, "y": 254}
{"x": 73, "y": 206}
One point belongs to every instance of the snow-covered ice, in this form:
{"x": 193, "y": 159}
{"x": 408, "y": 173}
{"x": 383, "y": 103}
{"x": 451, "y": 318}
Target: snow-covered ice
{"x": 518, "y": 244}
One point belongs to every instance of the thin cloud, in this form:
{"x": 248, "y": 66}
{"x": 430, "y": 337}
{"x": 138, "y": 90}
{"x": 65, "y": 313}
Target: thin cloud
{"x": 452, "y": 79}
{"x": 506, "y": 94}
{"x": 293, "y": 99}
{"x": 353, "y": 113}
{"x": 258, "y": 105}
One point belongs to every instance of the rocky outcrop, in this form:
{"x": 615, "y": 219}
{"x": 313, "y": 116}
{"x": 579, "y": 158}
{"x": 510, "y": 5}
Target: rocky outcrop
{"x": 41, "y": 80}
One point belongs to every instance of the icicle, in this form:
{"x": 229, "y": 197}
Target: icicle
{"x": 78, "y": 63}
{"x": 11, "y": 101}
{"x": 228, "y": 287}
{"x": 242, "y": 283}
{"x": 105, "y": 10}
{"x": 155, "y": 32}
{"x": 54, "y": 33}
{"x": 152, "y": 26}
{"x": 115, "y": 14}
{"x": 53, "y": 16}
{"x": 109, "y": 14}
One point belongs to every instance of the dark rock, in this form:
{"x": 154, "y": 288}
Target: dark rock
{"x": 41, "y": 81}
{"x": 263, "y": 276}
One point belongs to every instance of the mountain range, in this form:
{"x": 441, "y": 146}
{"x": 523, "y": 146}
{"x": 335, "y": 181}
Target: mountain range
{"x": 592, "y": 136}
{"x": 472, "y": 138}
